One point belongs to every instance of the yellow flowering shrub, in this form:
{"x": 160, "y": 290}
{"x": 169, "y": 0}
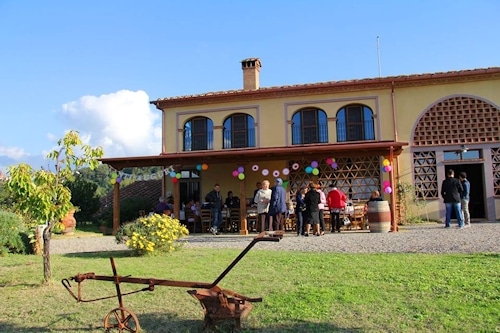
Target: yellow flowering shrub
{"x": 152, "y": 234}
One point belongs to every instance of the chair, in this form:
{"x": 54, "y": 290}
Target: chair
{"x": 327, "y": 218}
{"x": 253, "y": 222}
{"x": 358, "y": 217}
{"x": 234, "y": 220}
{"x": 191, "y": 220}
{"x": 205, "y": 219}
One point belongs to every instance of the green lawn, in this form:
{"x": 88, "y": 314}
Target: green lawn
{"x": 302, "y": 292}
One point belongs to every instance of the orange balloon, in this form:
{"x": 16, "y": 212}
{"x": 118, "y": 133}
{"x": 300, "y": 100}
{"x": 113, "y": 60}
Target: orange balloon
{"x": 204, "y": 166}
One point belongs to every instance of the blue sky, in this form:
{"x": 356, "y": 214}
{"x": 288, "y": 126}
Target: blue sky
{"x": 93, "y": 66}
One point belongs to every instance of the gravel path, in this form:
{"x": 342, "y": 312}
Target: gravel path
{"x": 430, "y": 238}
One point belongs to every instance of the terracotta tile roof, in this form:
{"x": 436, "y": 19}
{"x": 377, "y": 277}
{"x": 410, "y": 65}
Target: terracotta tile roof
{"x": 149, "y": 190}
{"x": 275, "y": 91}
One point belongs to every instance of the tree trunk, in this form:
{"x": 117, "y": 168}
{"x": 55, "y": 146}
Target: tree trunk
{"x": 47, "y": 233}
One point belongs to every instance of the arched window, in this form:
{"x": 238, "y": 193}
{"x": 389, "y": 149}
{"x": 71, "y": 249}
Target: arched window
{"x": 355, "y": 123}
{"x": 239, "y": 131}
{"x": 309, "y": 126}
{"x": 198, "y": 134}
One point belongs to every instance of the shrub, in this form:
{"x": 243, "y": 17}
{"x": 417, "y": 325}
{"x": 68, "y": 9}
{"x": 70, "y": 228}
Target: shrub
{"x": 13, "y": 238}
{"x": 152, "y": 234}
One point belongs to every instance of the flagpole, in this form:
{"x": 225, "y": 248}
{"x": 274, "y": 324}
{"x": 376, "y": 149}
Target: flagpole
{"x": 378, "y": 57}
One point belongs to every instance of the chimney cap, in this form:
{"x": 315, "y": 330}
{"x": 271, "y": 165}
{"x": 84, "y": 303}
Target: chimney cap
{"x": 256, "y": 61}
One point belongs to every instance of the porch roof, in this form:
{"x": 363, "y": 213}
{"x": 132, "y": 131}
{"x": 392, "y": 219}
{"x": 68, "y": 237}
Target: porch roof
{"x": 252, "y": 155}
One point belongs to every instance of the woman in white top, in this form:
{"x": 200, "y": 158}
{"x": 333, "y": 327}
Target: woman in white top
{"x": 262, "y": 198}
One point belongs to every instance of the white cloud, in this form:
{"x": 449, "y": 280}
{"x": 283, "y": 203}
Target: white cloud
{"x": 14, "y": 153}
{"x": 123, "y": 123}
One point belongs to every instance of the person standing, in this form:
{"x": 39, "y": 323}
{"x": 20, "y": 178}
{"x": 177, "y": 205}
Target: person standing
{"x": 215, "y": 199}
{"x": 258, "y": 186}
{"x": 451, "y": 190}
{"x": 465, "y": 198}
{"x": 312, "y": 200}
{"x": 336, "y": 201}
{"x": 262, "y": 198}
{"x": 300, "y": 210}
{"x": 277, "y": 206}
{"x": 321, "y": 207}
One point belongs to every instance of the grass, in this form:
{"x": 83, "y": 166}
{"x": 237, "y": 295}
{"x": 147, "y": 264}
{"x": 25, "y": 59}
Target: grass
{"x": 302, "y": 292}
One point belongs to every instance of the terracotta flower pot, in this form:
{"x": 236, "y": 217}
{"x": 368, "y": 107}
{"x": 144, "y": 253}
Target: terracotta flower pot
{"x": 69, "y": 222}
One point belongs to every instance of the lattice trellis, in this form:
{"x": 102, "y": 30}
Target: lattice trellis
{"x": 458, "y": 120}
{"x": 425, "y": 174}
{"x": 355, "y": 176}
{"x": 495, "y": 168}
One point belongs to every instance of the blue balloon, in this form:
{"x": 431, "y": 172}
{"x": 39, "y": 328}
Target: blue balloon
{"x": 309, "y": 169}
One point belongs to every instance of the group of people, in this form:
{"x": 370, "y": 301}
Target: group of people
{"x": 270, "y": 202}
{"x": 456, "y": 195}
{"x": 271, "y": 205}
{"x": 310, "y": 206}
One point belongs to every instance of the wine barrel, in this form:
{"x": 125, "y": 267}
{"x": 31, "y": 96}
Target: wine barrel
{"x": 379, "y": 216}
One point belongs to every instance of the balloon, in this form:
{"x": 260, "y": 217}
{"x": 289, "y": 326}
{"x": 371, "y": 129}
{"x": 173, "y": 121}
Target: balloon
{"x": 241, "y": 176}
{"x": 198, "y": 167}
{"x": 235, "y": 173}
{"x": 118, "y": 180}
{"x": 334, "y": 165}
{"x": 386, "y": 183}
{"x": 172, "y": 174}
{"x": 265, "y": 172}
{"x": 255, "y": 167}
{"x": 285, "y": 171}
{"x": 388, "y": 168}
{"x": 114, "y": 175}
{"x": 112, "y": 181}
{"x": 204, "y": 166}
{"x": 329, "y": 160}
{"x": 276, "y": 173}
{"x": 178, "y": 175}
{"x": 388, "y": 190}
{"x": 241, "y": 169}
{"x": 386, "y": 162}
{"x": 175, "y": 180}
{"x": 295, "y": 166}
{"x": 314, "y": 164}
{"x": 315, "y": 171}
{"x": 309, "y": 169}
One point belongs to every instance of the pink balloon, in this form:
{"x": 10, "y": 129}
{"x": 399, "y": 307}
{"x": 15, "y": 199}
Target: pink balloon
{"x": 329, "y": 160}
{"x": 235, "y": 173}
{"x": 388, "y": 168}
{"x": 387, "y": 183}
{"x": 388, "y": 189}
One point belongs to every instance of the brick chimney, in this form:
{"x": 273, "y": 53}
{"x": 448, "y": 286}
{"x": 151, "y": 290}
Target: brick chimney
{"x": 251, "y": 70}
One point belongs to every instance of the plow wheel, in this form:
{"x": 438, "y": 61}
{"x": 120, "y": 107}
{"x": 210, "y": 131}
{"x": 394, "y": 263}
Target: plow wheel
{"x": 121, "y": 320}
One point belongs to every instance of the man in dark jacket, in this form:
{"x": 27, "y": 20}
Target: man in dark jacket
{"x": 451, "y": 190}
{"x": 277, "y": 206}
{"x": 215, "y": 199}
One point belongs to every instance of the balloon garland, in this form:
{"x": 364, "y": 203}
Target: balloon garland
{"x": 387, "y": 167}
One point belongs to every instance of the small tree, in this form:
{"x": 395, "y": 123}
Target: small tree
{"x": 43, "y": 194}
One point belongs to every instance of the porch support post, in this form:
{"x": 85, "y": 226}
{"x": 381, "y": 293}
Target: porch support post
{"x": 177, "y": 200}
{"x": 243, "y": 208}
{"x": 394, "y": 222}
{"x": 116, "y": 207}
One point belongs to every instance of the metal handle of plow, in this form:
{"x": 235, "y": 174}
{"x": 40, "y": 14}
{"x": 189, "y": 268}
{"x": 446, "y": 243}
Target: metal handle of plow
{"x": 274, "y": 236}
